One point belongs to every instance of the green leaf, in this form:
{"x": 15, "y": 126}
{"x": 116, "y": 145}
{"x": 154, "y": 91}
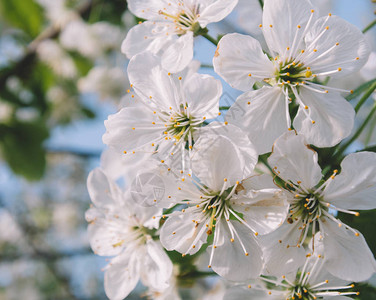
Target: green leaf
{"x": 24, "y": 14}
{"x": 83, "y": 64}
{"x": 22, "y": 148}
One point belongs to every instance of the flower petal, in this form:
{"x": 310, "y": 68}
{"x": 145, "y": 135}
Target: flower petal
{"x": 131, "y": 128}
{"x": 293, "y": 161}
{"x": 122, "y": 276}
{"x": 181, "y": 234}
{"x": 347, "y": 255}
{"x": 179, "y": 54}
{"x": 157, "y": 267}
{"x": 349, "y": 55}
{"x": 331, "y": 118}
{"x": 214, "y": 10}
{"x": 262, "y": 111}
{"x": 281, "y": 20}
{"x": 202, "y": 93}
{"x": 237, "y": 57}
{"x": 280, "y": 246}
{"x": 355, "y": 186}
{"x": 147, "y": 36}
{"x": 229, "y": 259}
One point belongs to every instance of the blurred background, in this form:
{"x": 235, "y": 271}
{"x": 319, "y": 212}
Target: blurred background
{"x": 61, "y": 75}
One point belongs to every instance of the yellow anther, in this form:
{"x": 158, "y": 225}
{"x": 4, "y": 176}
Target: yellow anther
{"x": 162, "y": 161}
{"x": 219, "y": 113}
{"x": 288, "y": 48}
{"x": 169, "y": 74}
{"x": 133, "y": 128}
{"x": 299, "y": 26}
{"x": 314, "y": 50}
{"x": 248, "y": 103}
{"x": 256, "y": 233}
{"x": 204, "y": 118}
{"x": 209, "y": 266}
{"x": 289, "y": 129}
{"x": 179, "y": 78}
{"x": 327, "y": 27}
{"x": 357, "y": 214}
{"x": 249, "y": 286}
{"x": 249, "y": 75}
{"x": 313, "y": 122}
{"x": 312, "y": 10}
{"x": 308, "y": 74}
{"x": 306, "y": 107}
{"x": 125, "y": 152}
{"x": 302, "y": 51}
{"x": 226, "y": 123}
{"x": 194, "y": 246}
{"x": 357, "y": 234}
{"x": 270, "y": 25}
{"x": 339, "y": 69}
{"x": 288, "y": 74}
{"x": 260, "y": 25}
{"x": 357, "y": 58}
{"x": 225, "y": 180}
{"x": 246, "y": 254}
{"x": 232, "y": 240}
{"x": 337, "y": 44}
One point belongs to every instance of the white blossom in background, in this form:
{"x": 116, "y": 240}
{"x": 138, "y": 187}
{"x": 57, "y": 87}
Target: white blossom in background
{"x": 171, "y": 27}
{"x": 302, "y": 48}
{"x": 108, "y": 83}
{"x": 51, "y": 53}
{"x": 57, "y": 12}
{"x": 174, "y": 107}
{"x": 120, "y": 228}
{"x": 90, "y": 40}
{"x": 346, "y": 252}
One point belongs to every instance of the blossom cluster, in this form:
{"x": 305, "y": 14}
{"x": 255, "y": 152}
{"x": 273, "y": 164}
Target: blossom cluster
{"x": 245, "y": 194}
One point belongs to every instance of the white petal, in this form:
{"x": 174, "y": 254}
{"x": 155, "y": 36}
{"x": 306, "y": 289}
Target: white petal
{"x": 332, "y": 114}
{"x": 187, "y": 233}
{"x": 131, "y": 128}
{"x": 149, "y": 36}
{"x": 179, "y": 54}
{"x": 239, "y": 56}
{"x": 215, "y": 11}
{"x": 347, "y": 256}
{"x": 351, "y": 45}
{"x": 202, "y": 95}
{"x": 246, "y": 151}
{"x": 280, "y": 246}
{"x": 157, "y": 267}
{"x": 280, "y": 23}
{"x": 104, "y": 193}
{"x": 210, "y": 167}
{"x": 121, "y": 276}
{"x": 293, "y": 160}
{"x": 355, "y": 186}
{"x": 148, "y": 9}
{"x": 264, "y": 118}
{"x": 263, "y": 210}
{"x": 229, "y": 259}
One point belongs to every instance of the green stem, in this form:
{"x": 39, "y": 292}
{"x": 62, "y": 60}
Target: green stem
{"x": 224, "y": 107}
{"x": 207, "y": 66}
{"x": 210, "y": 39}
{"x": 357, "y": 133}
{"x": 369, "y": 26}
{"x": 369, "y": 148}
{"x": 365, "y": 97}
{"x": 261, "y": 4}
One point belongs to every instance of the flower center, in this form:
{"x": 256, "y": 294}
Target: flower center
{"x": 292, "y": 72}
{"x": 179, "y": 125}
{"x": 308, "y": 206}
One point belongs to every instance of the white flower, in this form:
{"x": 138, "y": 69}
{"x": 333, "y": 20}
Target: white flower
{"x": 174, "y": 107}
{"x": 119, "y": 227}
{"x": 309, "y": 282}
{"x": 346, "y": 252}
{"x": 109, "y": 83}
{"x": 52, "y": 54}
{"x": 222, "y": 208}
{"x": 302, "y": 49}
{"x": 90, "y": 40}
{"x": 171, "y": 27}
